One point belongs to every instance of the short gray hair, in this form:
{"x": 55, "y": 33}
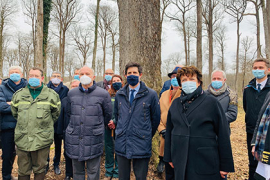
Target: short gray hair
{"x": 89, "y": 68}
{"x": 16, "y": 67}
{"x": 56, "y": 72}
{"x": 218, "y": 70}
{"x": 75, "y": 80}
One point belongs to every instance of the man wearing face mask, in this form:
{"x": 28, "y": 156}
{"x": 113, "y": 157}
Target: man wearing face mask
{"x": 137, "y": 116}
{"x": 75, "y": 76}
{"x": 36, "y": 108}
{"x": 105, "y": 84}
{"x": 90, "y": 109}
{"x": 8, "y": 122}
{"x": 56, "y": 84}
{"x": 226, "y": 96}
{"x": 253, "y": 97}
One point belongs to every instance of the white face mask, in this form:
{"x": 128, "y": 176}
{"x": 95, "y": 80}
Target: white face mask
{"x": 56, "y": 81}
{"x": 85, "y": 80}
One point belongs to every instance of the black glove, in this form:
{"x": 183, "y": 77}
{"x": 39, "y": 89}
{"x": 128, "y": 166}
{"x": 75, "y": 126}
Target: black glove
{"x": 163, "y": 132}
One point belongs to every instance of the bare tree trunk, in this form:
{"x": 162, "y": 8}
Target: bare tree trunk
{"x": 237, "y": 55}
{"x": 140, "y": 38}
{"x": 266, "y": 24}
{"x": 96, "y": 36}
{"x": 259, "y": 50}
{"x": 104, "y": 51}
{"x": 1, "y": 43}
{"x": 210, "y": 38}
{"x": 199, "y": 34}
{"x": 39, "y": 34}
{"x": 63, "y": 53}
{"x": 113, "y": 51}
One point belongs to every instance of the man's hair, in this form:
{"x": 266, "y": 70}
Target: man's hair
{"x": 189, "y": 71}
{"x": 77, "y": 68}
{"x": 57, "y": 72}
{"x": 16, "y": 67}
{"x": 133, "y": 64}
{"x": 74, "y": 80}
{"x": 36, "y": 68}
{"x": 266, "y": 61}
{"x": 218, "y": 70}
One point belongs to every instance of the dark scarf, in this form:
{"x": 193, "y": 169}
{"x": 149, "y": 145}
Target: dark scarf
{"x": 106, "y": 83}
{"x": 16, "y": 87}
{"x": 261, "y": 136}
{"x": 56, "y": 89}
{"x": 187, "y": 99}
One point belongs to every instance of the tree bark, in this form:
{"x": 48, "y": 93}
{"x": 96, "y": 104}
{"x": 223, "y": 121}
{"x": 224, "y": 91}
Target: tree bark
{"x": 140, "y": 38}
{"x": 237, "y": 54}
{"x": 96, "y": 36}
{"x": 199, "y": 34}
{"x": 39, "y": 34}
{"x": 210, "y": 38}
{"x": 266, "y": 24}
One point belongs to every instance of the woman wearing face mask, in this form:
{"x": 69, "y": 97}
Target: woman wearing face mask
{"x": 197, "y": 142}
{"x": 111, "y": 162}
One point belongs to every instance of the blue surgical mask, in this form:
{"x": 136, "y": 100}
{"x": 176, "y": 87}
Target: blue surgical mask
{"x": 34, "y": 82}
{"x": 216, "y": 84}
{"x": 108, "y": 77}
{"x": 174, "y": 82}
{"x": 259, "y": 74}
{"x": 117, "y": 85}
{"x": 77, "y": 77}
{"x": 15, "y": 77}
{"x": 56, "y": 81}
{"x": 133, "y": 80}
{"x": 189, "y": 87}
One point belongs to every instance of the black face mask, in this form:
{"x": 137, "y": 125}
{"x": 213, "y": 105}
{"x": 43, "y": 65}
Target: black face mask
{"x": 117, "y": 85}
{"x": 133, "y": 80}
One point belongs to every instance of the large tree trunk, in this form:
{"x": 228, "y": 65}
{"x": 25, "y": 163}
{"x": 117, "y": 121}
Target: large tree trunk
{"x": 199, "y": 34}
{"x": 96, "y": 36}
{"x": 140, "y": 38}
{"x": 39, "y": 34}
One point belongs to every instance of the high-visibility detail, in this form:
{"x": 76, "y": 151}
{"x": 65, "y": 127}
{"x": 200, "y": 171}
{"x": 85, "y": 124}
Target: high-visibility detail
{"x": 22, "y": 102}
{"x": 48, "y": 103}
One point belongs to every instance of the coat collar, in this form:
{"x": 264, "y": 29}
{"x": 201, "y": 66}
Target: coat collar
{"x": 142, "y": 91}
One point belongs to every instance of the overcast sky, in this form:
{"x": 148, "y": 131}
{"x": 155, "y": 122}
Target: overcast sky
{"x": 172, "y": 41}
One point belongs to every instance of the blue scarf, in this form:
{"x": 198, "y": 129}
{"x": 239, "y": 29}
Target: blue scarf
{"x": 56, "y": 89}
{"x": 16, "y": 87}
{"x": 261, "y": 134}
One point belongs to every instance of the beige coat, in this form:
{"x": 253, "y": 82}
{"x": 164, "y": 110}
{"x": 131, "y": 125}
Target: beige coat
{"x": 165, "y": 104}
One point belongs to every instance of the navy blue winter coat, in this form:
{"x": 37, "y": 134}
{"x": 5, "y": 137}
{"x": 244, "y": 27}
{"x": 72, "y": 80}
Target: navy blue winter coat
{"x": 63, "y": 91}
{"x": 136, "y": 124}
{"x": 63, "y": 119}
{"x": 89, "y": 112}
{"x": 6, "y": 93}
{"x": 166, "y": 86}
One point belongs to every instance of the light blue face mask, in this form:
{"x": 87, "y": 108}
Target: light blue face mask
{"x": 77, "y": 77}
{"x": 259, "y": 74}
{"x": 15, "y": 77}
{"x": 34, "y": 82}
{"x": 189, "y": 87}
{"x": 174, "y": 82}
{"x": 108, "y": 77}
{"x": 216, "y": 84}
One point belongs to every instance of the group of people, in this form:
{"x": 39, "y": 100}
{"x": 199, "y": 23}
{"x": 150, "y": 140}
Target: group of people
{"x": 193, "y": 124}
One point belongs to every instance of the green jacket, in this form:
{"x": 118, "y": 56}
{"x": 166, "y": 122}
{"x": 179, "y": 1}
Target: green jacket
{"x": 35, "y": 118}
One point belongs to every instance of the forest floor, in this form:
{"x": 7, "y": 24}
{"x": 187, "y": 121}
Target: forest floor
{"x": 238, "y": 140}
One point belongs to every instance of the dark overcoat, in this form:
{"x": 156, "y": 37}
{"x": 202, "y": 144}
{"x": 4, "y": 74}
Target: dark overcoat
{"x": 197, "y": 141}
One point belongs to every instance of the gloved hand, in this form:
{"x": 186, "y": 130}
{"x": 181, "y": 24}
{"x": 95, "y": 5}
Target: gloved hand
{"x": 163, "y": 132}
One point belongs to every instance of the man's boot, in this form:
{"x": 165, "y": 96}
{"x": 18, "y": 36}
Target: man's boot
{"x": 40, "y": 176}
{"x": 161, "y": 164}
{"x": 24, "y": 177}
